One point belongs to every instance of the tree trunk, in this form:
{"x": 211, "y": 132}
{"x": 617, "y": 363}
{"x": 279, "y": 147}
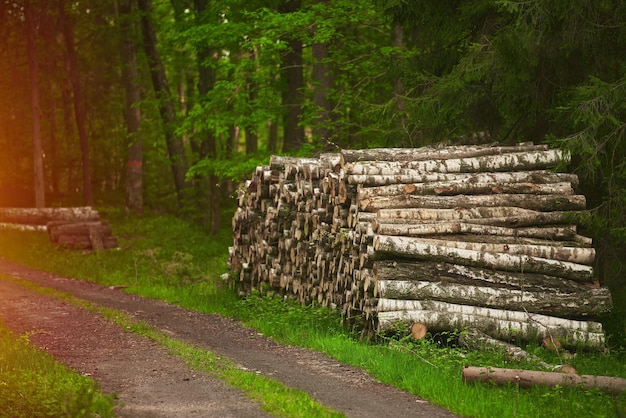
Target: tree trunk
{"x": 456, "y": 188}
{"x": 529, "y": 378}
{"x": 500, "y": 324}
{"x": 293, "y": 85}
{"x": 130, "y": 77}
{"x": 79, "y": 101}
{"x": 522, "y": 161}
{"x": 414, "y": 248}
{"x": 534, "y": 202}
{"x": 556, "y": 252}
{"x": 567, "y": 232}
{"x": 454, "y": 273}
{"x": 589, "y": 303}
{"x": 33, "y": 65}
{"x": 455, "y": 214}
{"x": 407, "y": 176}
{"x": 175, "y": 146}
{"x": 433, "y": 152}
{"x": 41, "y": 216}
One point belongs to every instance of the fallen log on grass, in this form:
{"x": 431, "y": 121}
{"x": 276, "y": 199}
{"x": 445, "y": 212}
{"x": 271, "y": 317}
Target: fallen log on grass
{"x": 41, "y": 216}
{"x": 528, "y": 378}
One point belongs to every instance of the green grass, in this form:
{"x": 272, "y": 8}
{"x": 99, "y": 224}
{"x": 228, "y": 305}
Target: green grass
{"x": 32, "y": 384}
{"x": 273, "y": 397}
{"x": 164, "y": 258}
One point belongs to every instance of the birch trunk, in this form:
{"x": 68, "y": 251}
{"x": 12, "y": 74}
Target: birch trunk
{"x": 414, "y": 248}
{"x": 589, "y": 303}
{"x": 555, "y": 252}
{"x": 466, "y": 214}
{"x": 430, "y": 153}
{"x": 454, "y": 188}
{"x": 407, "y": 176}
{"x": 567, "y": 232}
{"x": 502, "y": 325}
{"x": 532, "y": 160}
{"x": 454, "y": 273}
{"x": 533, "y": 202}
{"x": 41, "y": 216}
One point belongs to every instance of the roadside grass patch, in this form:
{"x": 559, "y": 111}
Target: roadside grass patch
{"x": 273, "y": 396}
{"x": 429, "y": 368}
{"x": 32, "y": 384}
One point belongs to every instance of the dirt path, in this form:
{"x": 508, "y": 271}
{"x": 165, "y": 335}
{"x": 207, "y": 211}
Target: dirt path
{"x": 151, "y": 383}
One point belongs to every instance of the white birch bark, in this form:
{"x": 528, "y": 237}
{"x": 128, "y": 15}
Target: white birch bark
{"x": 414, "y": 248}
{"x": 582, "y": 304}
{"x": 533, "y": 202}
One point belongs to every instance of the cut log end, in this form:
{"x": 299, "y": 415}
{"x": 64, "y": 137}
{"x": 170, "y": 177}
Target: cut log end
{"x": 418, "y": 330}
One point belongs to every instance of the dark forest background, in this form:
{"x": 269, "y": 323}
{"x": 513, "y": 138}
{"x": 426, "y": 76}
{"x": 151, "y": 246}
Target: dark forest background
{"x": 165, "y": 105}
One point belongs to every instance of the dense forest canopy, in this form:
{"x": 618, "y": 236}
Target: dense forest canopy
{"x": 160, "y": 104}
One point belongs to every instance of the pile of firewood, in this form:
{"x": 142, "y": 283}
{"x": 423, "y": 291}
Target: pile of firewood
{"x": 74, "y": 228}
{"x": 446, "y": 237}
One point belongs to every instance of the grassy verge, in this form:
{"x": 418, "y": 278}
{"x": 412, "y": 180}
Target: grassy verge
{"x": 274, "y": 397}
{"x": 167, "y": 259}
{"x": 32, "y": 384}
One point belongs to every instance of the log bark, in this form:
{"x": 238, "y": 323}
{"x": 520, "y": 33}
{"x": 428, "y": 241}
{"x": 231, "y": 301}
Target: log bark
{"x": 408, "y": 176}
{"x": 456, "y": 188}
{"x": 454, "y": 273}
{"x": 563, "y": 253}
{"x": 42, "y": 216}
{"x": 532, "y": 160}
{"x": 500, "y": 324}
{"x": 529, "y": 378}
{"x": 589, "y": 303}
{"x": 525, "y": 201}
{"x": 22, "y": 227}
{"x": 567, "y": 232}
{"x": 483, "y": 215}
{"x": 430, "y": 153}
{"x": 414, "y": 248}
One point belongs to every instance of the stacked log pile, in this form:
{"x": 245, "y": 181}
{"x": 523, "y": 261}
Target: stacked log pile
{"x": 448, "y": 237}
{"x": 74, "y": 228}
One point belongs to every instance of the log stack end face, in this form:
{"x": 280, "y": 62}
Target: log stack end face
{"x": 459, "y": 236}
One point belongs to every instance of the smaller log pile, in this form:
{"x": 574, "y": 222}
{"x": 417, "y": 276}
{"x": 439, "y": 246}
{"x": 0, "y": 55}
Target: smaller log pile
{"x": 74, "y": 228}
{"x": 448, "y": 237}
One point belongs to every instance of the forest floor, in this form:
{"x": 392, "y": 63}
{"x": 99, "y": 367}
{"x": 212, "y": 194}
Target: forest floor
{"x": 149, "y": 382}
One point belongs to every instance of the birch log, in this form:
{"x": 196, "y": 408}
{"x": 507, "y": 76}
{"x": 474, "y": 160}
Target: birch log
{"x": 555, "y": 252}
{"x": 414, "y": 248}
{"x": 525, "y": 326}
{"x": 408, "y": 176}
{"x": 41, "y": 216}
{"x": 456, "y": 188}
{"x": 533, "y": 202}
{"x": 454, "y": 273}
{"x": 429, "y": 153}
{"x": 573, "y": 305}
{"x": 521, "y": 161}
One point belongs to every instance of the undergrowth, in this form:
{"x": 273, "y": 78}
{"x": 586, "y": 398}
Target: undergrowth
{"x": 165, "y": 258}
